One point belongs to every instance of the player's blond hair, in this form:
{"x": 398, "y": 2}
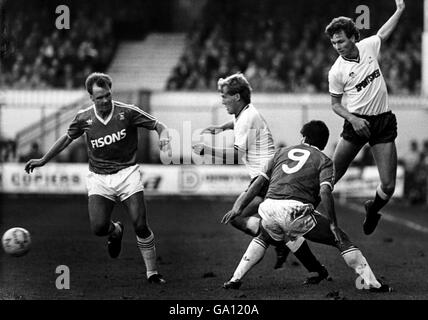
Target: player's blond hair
{"x": 236, "y": 83}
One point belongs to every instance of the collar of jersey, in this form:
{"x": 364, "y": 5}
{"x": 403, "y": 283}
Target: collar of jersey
{"x": 357, "y": 60}
{"x": 309, "y": 145}
{"x": 104, "y": 122}
{"x": 246, "y": 107}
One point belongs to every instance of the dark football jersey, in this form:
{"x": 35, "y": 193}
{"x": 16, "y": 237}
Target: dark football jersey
{"x": 298, "y": 172}
{"x": 111, "y": 142}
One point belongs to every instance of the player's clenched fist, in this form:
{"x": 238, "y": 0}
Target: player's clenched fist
{"x": 400, "y": 4}
{"x": 199, "y": 148}
{"x": 361, "y": 127}
{"x": 164, "y": 143}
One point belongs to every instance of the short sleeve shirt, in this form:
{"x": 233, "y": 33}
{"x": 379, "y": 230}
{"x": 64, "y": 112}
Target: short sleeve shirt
{"x": 360, "y": 81}
{"x": 253, "y": 137}
{"x": 298, "y": 173}
{"x": 111, "y": 142}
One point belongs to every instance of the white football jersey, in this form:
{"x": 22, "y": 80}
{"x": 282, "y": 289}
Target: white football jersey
{"x": 253, "y": 136}
{"x": 360, "y": 81}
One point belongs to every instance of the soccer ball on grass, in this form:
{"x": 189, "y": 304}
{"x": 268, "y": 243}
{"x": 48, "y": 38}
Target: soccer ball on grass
{"x": 16, "y": 242}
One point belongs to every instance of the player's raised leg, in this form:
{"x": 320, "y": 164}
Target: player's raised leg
{"x": 137, "y": 209}
{"x": 385, "y": 155}
{"x": 100, "y": 209}
{"x": 353, "y": 257}
{"x": 344, "y": 153}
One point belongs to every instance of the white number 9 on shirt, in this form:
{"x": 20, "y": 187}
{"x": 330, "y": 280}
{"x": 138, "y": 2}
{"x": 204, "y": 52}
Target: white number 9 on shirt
{"x": 299, "y": 155}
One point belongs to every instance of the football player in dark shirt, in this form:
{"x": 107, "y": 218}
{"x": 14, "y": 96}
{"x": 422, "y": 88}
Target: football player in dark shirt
{"x": 299, "y": 178}
{"x": 111, "y": 135}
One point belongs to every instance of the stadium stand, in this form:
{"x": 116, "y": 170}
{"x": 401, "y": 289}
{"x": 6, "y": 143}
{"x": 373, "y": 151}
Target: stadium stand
{"x": 35, "y": 54}
{"x": 276, "y": 51}
{"x": 146, "y": 64}
{"x": 279, "y": 52}
{"x": 40, "y": 56}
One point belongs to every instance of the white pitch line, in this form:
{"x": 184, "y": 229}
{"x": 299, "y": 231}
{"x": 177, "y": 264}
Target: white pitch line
{"x": 390, "y": 218}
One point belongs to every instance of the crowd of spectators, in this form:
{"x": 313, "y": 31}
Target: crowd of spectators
{"x": 35, "y": 54}
{"x": 76, "y": 153}
{"x": 281, "y": 47}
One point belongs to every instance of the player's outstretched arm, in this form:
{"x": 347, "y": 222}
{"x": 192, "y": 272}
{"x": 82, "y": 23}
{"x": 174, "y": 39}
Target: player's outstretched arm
{"x": 57, "y": 147}
{"x": 386, "y": 30}
{"x": 228, "y": 155}
{"x": 214, "y": 129}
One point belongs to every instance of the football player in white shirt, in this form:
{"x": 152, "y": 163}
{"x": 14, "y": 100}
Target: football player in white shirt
{"x": 255, "y": 147}
{"x": 356, "y": 76}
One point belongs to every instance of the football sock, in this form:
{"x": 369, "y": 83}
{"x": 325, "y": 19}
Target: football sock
{"x": 380, "y": 200}
{"x": 355, "y": 259}
{"x": 254, "y": 254}
{"x": 282, "y": 250}
{"x": 148, "y": 251}
{"x": 306, "y": 257}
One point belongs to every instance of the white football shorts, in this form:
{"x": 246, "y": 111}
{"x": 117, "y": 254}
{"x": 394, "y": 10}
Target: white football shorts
{"x": 117, "y": 186}
{"x": 286, "y": 220}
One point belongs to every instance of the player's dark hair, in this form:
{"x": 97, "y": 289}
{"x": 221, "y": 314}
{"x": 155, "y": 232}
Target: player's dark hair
{"x": 236, "y": 83}
{"x": 343, "y": 23}
{"x": 102, "y": 80}
{"x": 316, "y": 133}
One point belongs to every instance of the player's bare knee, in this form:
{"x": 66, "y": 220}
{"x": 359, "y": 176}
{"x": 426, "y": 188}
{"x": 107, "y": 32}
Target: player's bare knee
{"x": 243, "y": 226}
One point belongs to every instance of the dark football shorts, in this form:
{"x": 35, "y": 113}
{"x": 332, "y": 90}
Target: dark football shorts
{"x": 383, "y": 129}
{"x": 263, "y": 191}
